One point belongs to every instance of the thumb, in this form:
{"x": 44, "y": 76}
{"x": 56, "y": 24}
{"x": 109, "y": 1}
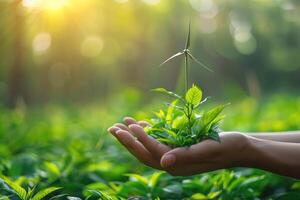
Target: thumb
{"x": 167, "y": 160}
{"x": 179, "y": 155}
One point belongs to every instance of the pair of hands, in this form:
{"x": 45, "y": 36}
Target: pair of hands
{"x": 203, "y": 157}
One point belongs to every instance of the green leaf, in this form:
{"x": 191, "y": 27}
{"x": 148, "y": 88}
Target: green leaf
{"x": 215, "y": 136}
{"x": 4, "y": 197}
{"x": 175, "y": 107}
{"x": 179, "y": 122}
{"x": 104, "y": 196}
{"x": 160, "y": 114}
{"x": 172, "y": 94}
{"x": 217, "y": 120}
{"x": 194, "y": 96}
{"x": 21, "y": 192}
{"x": 209, "y": 116}
{"x": 203, "y": 101}
{"x": 213, "y": 195}
{"x": 170, "y": 133}
{"x": 59, "y": 196}
{"x": 173, "y": 189}
{"x": 288, "y": 196}
{"x": 296, "y": 186}
{"x": 198, "y": 196}
{"x": 157, "y": 135}
{"x": 52, "y": 168}
{"x": 29, "y": 193}
{"x": 167, "y": 141}
{"x": 75, "y": 198}
{"x": 154, "y": 179}
{"x": 138, "y": 178}
{"x": 41, "y": 194}
{"x": 170, "y": 111}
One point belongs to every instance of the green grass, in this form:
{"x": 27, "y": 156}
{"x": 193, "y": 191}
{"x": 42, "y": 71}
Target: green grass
{"x": 67, "y": 147}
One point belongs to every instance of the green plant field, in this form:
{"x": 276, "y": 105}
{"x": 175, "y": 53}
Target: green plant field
{"x": 68, "y": 150}
{"x": 70, "y": 70}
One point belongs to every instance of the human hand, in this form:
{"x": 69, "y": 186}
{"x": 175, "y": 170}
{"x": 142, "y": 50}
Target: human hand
{"x": 209, "y": 155}
{"x": 133, "y": 137}
{"x": 203, "y": 157}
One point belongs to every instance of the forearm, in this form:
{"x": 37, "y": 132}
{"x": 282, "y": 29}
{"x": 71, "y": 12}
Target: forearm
{"x": 278, "y": 157}
{"x": 288, "y": 136}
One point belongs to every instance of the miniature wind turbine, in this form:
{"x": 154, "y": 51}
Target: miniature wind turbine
{"x": 187, "y": 54}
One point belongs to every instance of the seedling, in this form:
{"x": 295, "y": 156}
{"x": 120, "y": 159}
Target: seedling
{"x": 181, "y": 124}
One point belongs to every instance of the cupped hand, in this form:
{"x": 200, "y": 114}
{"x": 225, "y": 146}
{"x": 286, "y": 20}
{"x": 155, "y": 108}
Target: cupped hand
{"x": 208, "y": 155}
{"x": 133, "y": 137}
{"x": 203, "y": 157}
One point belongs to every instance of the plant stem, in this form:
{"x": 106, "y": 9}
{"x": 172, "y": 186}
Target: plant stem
{"x": 186, "y": 72}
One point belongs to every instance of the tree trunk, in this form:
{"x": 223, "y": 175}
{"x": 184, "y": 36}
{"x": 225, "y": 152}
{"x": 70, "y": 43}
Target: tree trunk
{"x": 17, "y": 73}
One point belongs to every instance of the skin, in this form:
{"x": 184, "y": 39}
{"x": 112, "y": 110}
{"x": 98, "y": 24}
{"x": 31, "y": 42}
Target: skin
{"x": 278, "y": 153}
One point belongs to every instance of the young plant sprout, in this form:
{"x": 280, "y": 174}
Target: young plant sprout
{"x": 181, "y": 124}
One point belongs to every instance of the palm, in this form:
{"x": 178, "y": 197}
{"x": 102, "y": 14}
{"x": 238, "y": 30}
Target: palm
{"x": 206, "y": 156}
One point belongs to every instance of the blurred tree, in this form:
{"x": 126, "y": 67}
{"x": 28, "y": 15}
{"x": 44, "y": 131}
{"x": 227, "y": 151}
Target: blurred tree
{"x": 17, "y": 74}
{"x": 79, "y": 51}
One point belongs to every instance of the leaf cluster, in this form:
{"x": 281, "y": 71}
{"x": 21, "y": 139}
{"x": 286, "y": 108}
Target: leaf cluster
{"x": 182, "y": 124}
{"x": 225, "y": 185}
{"x": 24, "y": 194}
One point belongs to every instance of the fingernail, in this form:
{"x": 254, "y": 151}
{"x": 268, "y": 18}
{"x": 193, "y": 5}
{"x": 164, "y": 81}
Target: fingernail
{"x": 118, "y": 132}
{"x": 131, "y": 126}
{"x": 168, "y": 160}
{"x": 113, "y": 130}
{"x": 134, "y": 126}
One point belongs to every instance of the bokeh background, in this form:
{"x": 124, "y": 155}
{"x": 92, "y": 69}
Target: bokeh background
{"x": 69, "y": 69}
{"x": 82, "y": 51}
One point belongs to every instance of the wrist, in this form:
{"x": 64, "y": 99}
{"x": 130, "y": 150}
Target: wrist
{"x": 245, "y": 150}
{"x": 252, "y": 152}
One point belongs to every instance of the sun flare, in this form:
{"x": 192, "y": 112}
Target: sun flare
{"x": 50, "y": 5}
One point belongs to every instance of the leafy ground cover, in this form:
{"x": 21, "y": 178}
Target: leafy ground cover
{"x": 64, "y": 152}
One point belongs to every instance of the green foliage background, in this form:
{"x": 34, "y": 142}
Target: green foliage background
{"x": 70, "y": 148}
{"x": 70, "y": 69}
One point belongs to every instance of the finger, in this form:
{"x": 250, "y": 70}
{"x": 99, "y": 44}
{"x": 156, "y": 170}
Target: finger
{"x": 178, "y": 156}
{"x": 144, "y": 124}
{"x": 194, "y": 154}
{"x": 121, "y": 126}
{"x": 129, "y": 120}
{"x": 136, "y": 149}
{"x": 156, "y": 148}
{"x": 113, "y": 130}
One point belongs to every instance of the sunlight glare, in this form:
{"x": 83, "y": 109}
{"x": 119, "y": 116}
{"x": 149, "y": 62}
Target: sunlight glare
{"x": 152, "y": 2}
{"x": 30, "y": 3}
{"x": 121, "y": 1}
{"x": 91, "y": 46}
{"x": 41, "y": 43}
{"x": 52, "y": 5}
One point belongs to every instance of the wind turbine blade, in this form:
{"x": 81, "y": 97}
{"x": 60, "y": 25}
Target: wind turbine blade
{"x": 199, "y": 63}
{"x": 188, "y": 38}
{"x": 172, "y": 57}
